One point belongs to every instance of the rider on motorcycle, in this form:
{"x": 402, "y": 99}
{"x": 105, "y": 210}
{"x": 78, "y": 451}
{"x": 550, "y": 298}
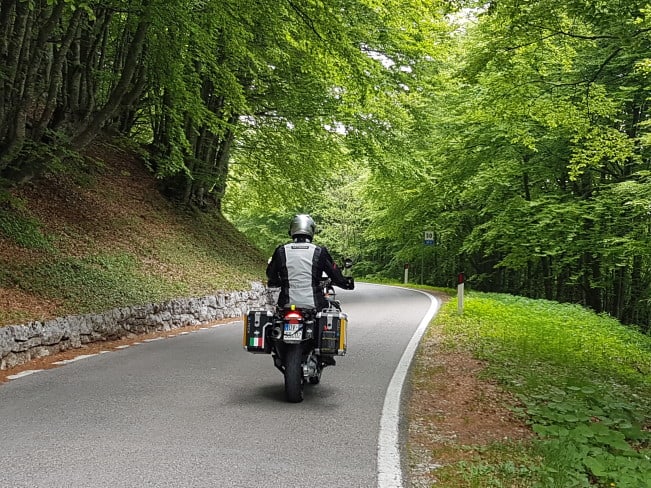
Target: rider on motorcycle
{"x": 297, "y": 268}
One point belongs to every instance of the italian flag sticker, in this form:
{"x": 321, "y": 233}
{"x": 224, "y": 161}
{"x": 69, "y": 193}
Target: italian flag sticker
{"x": 255, "y": 342}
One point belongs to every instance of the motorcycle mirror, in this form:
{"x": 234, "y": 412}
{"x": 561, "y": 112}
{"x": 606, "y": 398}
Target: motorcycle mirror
{"x": 348, "y": 263}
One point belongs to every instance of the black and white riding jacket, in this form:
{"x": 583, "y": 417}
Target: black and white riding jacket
{"x": 297, "y": 268}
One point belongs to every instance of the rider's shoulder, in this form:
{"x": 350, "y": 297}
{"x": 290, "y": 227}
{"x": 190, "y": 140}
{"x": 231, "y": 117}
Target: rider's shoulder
{"x": 324, "y": 250}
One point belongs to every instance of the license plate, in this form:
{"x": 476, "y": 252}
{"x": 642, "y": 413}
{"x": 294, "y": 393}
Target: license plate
{"x": 293, "y": 332}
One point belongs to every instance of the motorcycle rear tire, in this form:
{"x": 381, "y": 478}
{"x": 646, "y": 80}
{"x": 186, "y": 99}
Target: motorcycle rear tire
{"x": 293, "y": 375}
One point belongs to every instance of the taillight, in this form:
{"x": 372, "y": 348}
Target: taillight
{"x": 293, "y": 326}
{"x": 293, "y": 317}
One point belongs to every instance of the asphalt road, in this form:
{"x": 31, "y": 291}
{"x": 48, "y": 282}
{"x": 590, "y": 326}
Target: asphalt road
{"x": 197, "y": 410}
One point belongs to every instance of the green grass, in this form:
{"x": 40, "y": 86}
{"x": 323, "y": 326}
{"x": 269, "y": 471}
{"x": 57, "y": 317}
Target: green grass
{"x": 497, "y": 465}
{"x": 96, "y": 283}
{"x": 23, "y": 230}
{"x": 584, "y": 382}
{"x": 101, "y": 280}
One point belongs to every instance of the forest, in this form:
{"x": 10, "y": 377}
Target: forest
{"x": 515, "y": 131}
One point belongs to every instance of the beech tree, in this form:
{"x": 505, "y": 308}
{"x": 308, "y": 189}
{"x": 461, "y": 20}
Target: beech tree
{"x": 537, "y": 172}
{"x": 68, "y": 68}
{"x": 186, "y": 77}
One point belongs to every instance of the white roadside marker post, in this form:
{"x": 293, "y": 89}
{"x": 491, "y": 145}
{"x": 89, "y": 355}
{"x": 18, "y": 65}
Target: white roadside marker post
{"x": 460, "y": 281}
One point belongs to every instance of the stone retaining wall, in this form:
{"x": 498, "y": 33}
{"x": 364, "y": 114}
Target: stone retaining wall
{"x": 21, "y": 343}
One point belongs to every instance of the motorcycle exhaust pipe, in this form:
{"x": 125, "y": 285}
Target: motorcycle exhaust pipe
{"x": 276, "y": 333}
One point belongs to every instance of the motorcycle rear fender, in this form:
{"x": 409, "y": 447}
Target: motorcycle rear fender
{"x": 306, "y": 326}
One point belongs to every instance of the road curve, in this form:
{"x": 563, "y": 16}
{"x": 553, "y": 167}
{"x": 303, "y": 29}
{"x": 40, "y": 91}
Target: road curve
{"x": 198, "y": 411}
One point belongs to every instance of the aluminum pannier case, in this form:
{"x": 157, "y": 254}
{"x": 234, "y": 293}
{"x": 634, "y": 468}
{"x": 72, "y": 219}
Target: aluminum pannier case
{"x": 332, "y": 333}
{"x": 257, "y": 326}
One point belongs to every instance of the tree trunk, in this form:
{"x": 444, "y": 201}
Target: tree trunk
{"x": 591, "y": 275}
{"x": 7, "y": 13}
{"x": 11, "y": 135}
{"x": 57, "y": 74}
{"x": 638, "y": 293}
{"x": 90, "y": 130}
{"x": 13, "y": 122}
{"x": 545, "y": 262}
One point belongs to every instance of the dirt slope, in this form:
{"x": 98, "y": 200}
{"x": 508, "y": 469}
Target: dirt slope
{"x": 108, "y": 212}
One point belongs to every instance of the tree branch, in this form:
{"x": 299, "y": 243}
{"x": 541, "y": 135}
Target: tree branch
{"x": 306, "y": 18}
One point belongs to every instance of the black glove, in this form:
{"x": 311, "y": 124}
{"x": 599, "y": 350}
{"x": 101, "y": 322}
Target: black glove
{"x": 351, "y": 283}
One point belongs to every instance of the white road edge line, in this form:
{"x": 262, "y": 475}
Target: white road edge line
{"x": 78, "y": 358}
{"x": 84, "y": 356}
{"x": 23, "y": 374}
{"x": 388, "y": 454}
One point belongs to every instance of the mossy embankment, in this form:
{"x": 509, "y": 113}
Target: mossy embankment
{"x": 100, "y": 235}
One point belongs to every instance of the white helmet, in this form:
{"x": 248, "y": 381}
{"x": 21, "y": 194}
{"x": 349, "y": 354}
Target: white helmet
{"x": 302, "y": 225}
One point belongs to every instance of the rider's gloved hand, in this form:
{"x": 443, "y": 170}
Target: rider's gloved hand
{"x": 351, "y": 283}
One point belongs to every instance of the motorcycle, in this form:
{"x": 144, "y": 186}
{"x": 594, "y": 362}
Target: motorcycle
{"x": 301, "y": 341}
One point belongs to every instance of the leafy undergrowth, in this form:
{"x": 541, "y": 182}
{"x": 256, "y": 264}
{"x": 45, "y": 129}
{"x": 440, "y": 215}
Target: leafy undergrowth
{"x": 583, "y": 385}
{"x": 100, "y": 235}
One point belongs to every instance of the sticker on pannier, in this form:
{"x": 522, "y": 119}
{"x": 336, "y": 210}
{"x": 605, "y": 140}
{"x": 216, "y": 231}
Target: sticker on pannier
{"x": 257, "y": 323}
